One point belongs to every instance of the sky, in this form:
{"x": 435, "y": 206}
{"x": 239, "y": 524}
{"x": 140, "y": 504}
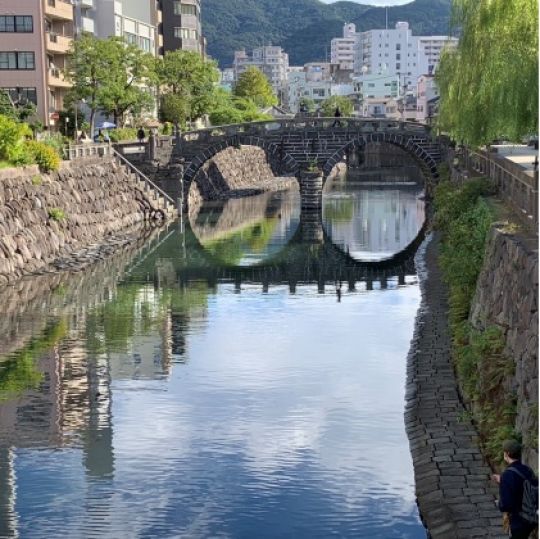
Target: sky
{"x": 373, "y": 2}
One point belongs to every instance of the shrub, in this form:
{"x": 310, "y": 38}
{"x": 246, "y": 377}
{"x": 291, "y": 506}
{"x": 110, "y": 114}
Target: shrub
{"x": 55, "y": 141}
{"x": 123, "y": 133}
{"x": 46, "y": 157}
{"x": 37, "y": 180}
{"x": 56, "y": 214}
{"x": 12, "y": 137}
{"x": 166, "y": 128}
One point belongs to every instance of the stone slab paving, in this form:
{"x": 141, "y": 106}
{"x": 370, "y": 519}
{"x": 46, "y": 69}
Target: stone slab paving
{"x": 455, "y": 495}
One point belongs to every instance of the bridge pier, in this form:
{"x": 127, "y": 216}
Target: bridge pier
{"x": 311, "y": 227}
{"x": 311, "y": 186}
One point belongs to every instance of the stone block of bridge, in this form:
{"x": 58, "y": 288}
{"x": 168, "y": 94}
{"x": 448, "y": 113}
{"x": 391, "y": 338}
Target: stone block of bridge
{"x": 311, "y": 186}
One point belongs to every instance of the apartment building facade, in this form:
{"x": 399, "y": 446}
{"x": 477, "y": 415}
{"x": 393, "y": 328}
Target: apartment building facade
{"x": 35, "y": 38}
{"x": 136, "y": 22}
{"x": 271, "y": 60}
{"x": 398, "y": 52}
{"x": 181, "y": 26}
{"x": 343, "y": 49}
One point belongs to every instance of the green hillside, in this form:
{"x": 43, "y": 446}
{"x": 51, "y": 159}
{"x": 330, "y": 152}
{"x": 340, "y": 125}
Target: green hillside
{"x": 305, "y": 27}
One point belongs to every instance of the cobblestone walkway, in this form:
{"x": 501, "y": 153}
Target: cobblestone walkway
{"x": 453, "y": 487}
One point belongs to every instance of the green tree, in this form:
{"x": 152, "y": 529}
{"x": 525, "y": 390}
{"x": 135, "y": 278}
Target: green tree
{"x": 109, "y": 75}
{"x": 330, "y": 105}
{"x": 252, "y": 84}
{"x": 89, "y": 72}
{"x": 237, "y": 110}
{"x": 127, "y": 89}
{"x": 489, "y": 84}
{"x": 188, "y": 76}
{"x": 174, "y": 108}
{"x": 308, "y": 103}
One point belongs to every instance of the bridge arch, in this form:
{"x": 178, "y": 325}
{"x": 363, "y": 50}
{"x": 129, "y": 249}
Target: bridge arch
{"x": 426, "y": 161}
{"x": 281, "y": 162}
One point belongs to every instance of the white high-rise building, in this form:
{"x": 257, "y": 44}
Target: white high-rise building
{"x": 397, "y": 52}
{"x": 343, "y": 49}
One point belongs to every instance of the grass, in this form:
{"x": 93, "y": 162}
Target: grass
{"x": 56, "y": 214}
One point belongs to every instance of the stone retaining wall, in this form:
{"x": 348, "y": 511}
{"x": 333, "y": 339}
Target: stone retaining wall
{"x": 507, "y": 297}
{"x": 45, "y": 216}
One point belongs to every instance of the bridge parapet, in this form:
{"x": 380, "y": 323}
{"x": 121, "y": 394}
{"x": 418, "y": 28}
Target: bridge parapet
{"x": 292, "y": 125}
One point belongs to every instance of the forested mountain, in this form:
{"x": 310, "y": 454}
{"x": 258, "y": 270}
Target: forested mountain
{"x": 304, "y": 28}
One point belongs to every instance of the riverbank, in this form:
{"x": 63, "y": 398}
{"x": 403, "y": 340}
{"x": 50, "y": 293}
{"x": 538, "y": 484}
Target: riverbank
{"x": 454, "y": 492}
{"x": 45, "y": 218}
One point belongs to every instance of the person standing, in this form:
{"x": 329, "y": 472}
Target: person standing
{"x": 140, "y": 134}
{"x": 337, "y": 116}
{"x": 512, "y": 491}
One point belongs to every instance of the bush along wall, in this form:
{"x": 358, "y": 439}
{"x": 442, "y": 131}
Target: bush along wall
{"x": 464, "y": 217}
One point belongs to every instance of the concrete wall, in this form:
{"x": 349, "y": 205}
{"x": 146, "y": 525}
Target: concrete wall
{"x": 507, "y": 297}
{"x": 98, "y": 199}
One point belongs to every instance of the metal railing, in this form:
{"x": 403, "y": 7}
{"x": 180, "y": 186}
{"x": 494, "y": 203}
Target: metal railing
{"x": 147, "y": 181}
{"x": 516, "y": 186}
{"x": 85, "y": 151}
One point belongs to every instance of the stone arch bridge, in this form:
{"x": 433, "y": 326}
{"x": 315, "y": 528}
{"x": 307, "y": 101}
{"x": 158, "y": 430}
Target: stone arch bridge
{"x": 292, "y": 145}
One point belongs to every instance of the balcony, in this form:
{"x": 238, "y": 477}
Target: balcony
{"x": 87, "y": 25}
{"x": 56, "y": 78}
{"x": 58, "y": 44}
{"x": 58, "y": 9}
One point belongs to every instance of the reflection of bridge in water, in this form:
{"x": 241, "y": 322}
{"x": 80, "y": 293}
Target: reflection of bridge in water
{"x": 308, "y": 257}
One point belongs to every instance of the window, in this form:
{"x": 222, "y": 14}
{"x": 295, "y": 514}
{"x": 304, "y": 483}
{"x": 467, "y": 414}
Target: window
{"x": 130, "y": 38}
{"x": 398, "y": 66}
{"x": 398, "y": 56}
{"x": 185, "y": 33}
{"x": 184, "y": 9}
{"x": 145, "y": 44}
{"x": 22, "y": 95}
{"x": 17, "y": 23}
{"x": 398, "y": 46}
{"x": 17, "y": 60}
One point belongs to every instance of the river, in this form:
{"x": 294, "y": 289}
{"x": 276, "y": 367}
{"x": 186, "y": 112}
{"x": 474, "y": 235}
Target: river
{"x": 241, "y": 375}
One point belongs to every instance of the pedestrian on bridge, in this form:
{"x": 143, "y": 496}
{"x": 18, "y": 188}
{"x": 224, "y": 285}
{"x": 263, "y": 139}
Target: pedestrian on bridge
{"x": 337, "y": 116}
{"x": 141, "y": 134}
{"x": 518, "y": 493}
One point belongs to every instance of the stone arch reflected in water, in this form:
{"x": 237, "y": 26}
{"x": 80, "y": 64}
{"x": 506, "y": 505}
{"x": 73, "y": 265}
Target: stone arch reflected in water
{"x": 245, "y": 232}
{"x": 373, "y": 222}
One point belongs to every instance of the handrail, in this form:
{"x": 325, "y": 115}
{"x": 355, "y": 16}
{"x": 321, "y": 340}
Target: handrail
{"x": 313, "y": 122}
{"x": 143, "y": 176}
{"x": 516, "y": 186}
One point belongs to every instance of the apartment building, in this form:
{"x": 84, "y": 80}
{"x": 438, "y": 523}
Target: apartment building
{"x": 35, "y": 38}
{"x": 272, "y": 61}
{"x": 136, "y": 21}
{"x": 343, "y": 49}
{"x": 398, "y": 52}
{"x": 181, "y": 27}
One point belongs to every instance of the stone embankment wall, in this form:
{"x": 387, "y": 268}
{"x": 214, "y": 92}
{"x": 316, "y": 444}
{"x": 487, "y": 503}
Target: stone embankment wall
{"x": 43, "y": 217}
{"x": 236, "y": 172}
{"x": 507, "y": 297}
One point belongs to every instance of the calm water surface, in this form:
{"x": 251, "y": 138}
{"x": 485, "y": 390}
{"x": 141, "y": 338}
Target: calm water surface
{"x": 231, "y": 378}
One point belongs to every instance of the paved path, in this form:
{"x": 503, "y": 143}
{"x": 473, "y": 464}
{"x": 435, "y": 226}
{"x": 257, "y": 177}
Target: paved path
{"x": 521, "y": 155}
{"x": 455, "y": 494}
